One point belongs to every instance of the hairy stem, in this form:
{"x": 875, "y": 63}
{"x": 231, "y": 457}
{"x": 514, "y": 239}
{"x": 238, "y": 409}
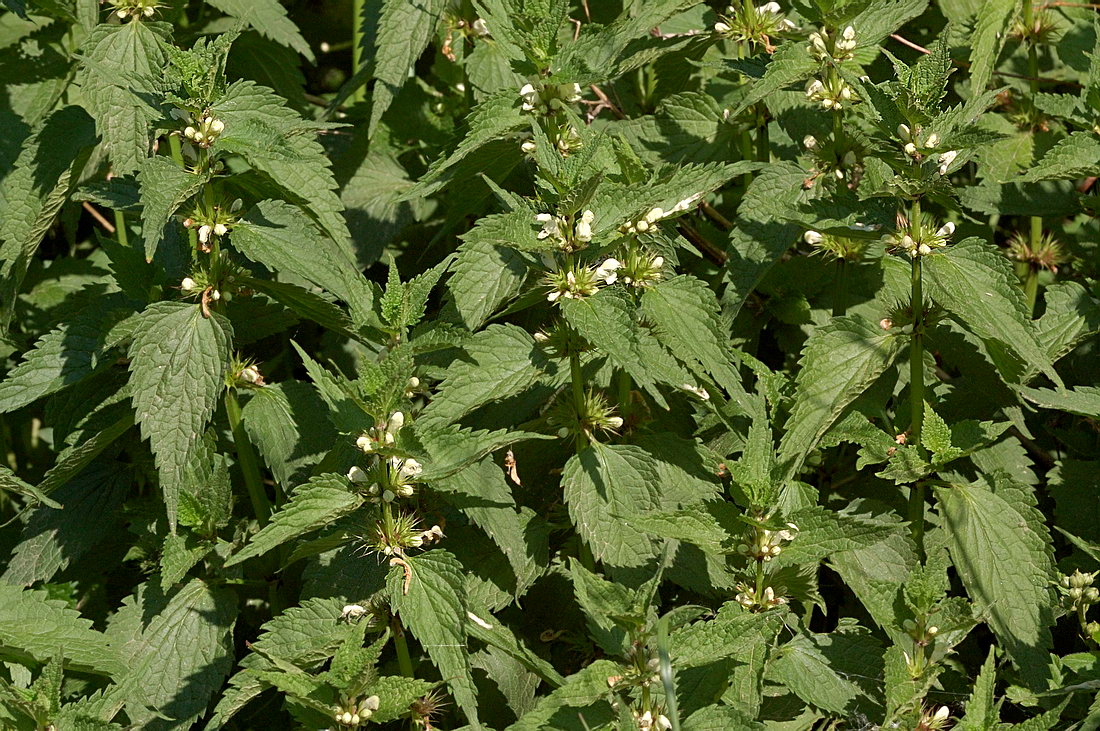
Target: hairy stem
{"x": 840, "y": 288}
{"x": 120, "y": 229}
{"x": 1031, "y": 287}
{"x": 578, "y": 397}
{"x": 246, "y": 457}
{"x": 1036, "y": 236}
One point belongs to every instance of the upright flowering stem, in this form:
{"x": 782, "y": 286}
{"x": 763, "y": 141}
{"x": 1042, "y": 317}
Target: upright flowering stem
{"x": 120, "y": 229}
{"x": 578, "y": 395}
{"x": 916, "y": 384}
{"x": 246, "y": 457}
{"x": 1031, "y": 286}
{"x": 404, "y": 660}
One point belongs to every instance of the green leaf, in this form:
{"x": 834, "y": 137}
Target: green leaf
{"x": 982, "y": 708}
{"x": 180, "y": 553}
{"x": 276, "y": 235}
{"x": 280, "y": 144}
{"x": 1005, "y": 566}
{"x": 685, "y": 316}
{"x": 179, "y": 660}
{"x": 582, "y": 689}
{"x": 268, "y": 17}
{"x": 606, "y": 320}
{"x": 603, "y": 484}
{"x": 687, "y": 127}
{"x": 53, "y": 538}
{"x": 33, "y": 627}
{"x": 838, "y": 363}
{"x": 1083, "y": 400}
{"x": 484, "y": 278}
{"x": 312, "y": 506}
{"x": 178, "y": 364}
{"x": 731, "y": 634}
{"x": 822, "y": 532}
{"x": 692, "y": 525}
{"x": 49, "y": 164}
{"x": 290, "y": 427}
{"x": 987, "y": 40}
{"x": 435, "y": 613}
{"x": 404, "y": 30}
{"x": 836, "y": 672}
{"x": 975, "y": 282}
{"x": 165, "y": 186}
{"x": 790, "y": 63}
{"x": 503, "y": 361}
{"x": 1071, "y": 315}
{"x": 495, "y": 117}
{"x": 74, "y": 459}
{"x": 1074, "y": 157}
{"x": 122, "y": 65}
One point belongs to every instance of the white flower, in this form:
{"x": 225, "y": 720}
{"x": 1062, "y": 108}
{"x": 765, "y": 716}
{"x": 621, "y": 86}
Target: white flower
{"x": 220, "y": 229}
{"x": 189, "y": 133}
{"x": 787, "y": 24}
{"x": 479, "y": 27}
{"x": 946, "y": 158}
{"x": 411, "y": 468}
{"x": 187, "y": 284}
{"x": 932, "y": 141}
{"x": 365, "y": 443}
{"x": 946, "y": 230}
{"x": 910, "y": 149}
{"x": 204, "y": 233}
{"x": 813, "y": 238}
{"x": 849, "y": 33}
{"x": 217, "y": 126}
{"x": 654, "y": 215}
{"x": 357, "y": 475}
{"x": 615, "y": 422}
{"x": 814, "y": 88}
{"x": 687, "y": 203}
{"x": 721, "y": 27}
{"x": 396, "y": 421}
{"x": 528, "y": 147}
{"x": 122, "y": 13}
{"x": 924, "y": 249}
{"x": 942, "y": 713}
{"x": 768, "y": 9}
{"x": 904, "y": 132}
{"x": 553, "y": 296}
{"x": 809, "y": 142}
{"x": 573, "y": 93}
{"x": 251, "y": 374}
{"x": 608, "y": 271}
{"x": 352, "y": 612}
{"x": 148, "y": 12}
{"x": 584, "y": 226}
{"x": 529, "y": 96}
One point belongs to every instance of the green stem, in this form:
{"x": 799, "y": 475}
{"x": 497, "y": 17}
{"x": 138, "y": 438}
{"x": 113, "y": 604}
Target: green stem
{"x": 624, "y": 395}
{"x": 357, "y": 45}
{"x": 916, "y": 386}
{"x": 759, "y": 581}
{"x": 1033, "y": 86}
{"x": 578, "y": 397}
{"x": 1031, "y": 287}
{"x": 246, "y": 456}
{"x": 120, "y": 229}
{"x": 840, "y": 288}
{"x": 404, "y": 660}
{"x": 763, "y": 145}
{"x": 176, "y": 149}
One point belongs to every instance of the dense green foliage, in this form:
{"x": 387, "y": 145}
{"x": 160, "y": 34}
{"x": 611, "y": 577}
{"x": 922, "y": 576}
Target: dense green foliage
{"x": 549, "y": 364}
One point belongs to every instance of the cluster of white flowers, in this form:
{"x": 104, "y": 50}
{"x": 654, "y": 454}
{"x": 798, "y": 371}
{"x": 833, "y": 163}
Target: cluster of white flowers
{"x": 745, "y": 23}
{"x": 823, "y": 46}
{"x": 926, "y": 242}
{"x": 384, "y": 436}
{"x": 352, "y": 713}
{"x": 538, "y": 99}
{"x": 650, "y": 722}
{"x": 747, "y": 598}
{"x": 567, "y": 236}
{"x": 134, "y": 9}
{"x": 655, "y": 214}
{"x": 833, "y": 95}
{"x": 945, "y": 159}
{"x": 575, "y": 283}
{"x": 208, "y": 130}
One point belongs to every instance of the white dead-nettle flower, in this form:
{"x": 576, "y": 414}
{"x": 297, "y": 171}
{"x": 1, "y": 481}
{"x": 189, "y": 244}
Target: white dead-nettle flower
{"x": 942, "y": 713}
{"x": 583, "y": 229}
{"x": 614, "y": 422}
{"x": 809, "y": 142}
{"x": 910, "y": 149}
{"x": 686, "y": 204}
{"x": 530, "y": 97}
{"x": 814, "y": 88}
{"x": 946, "y": 230}
{"x": 217, "y": 126}
{"x": 479, "y": 28}
{"x": 220, "y": 229}
{"x": 394, "y": 424}
{"x": 410, "y": 468}
{"x": 721, "y": 27}
{"x": 528, "y": 147}
{"x": 768, "y": 9}
{"x": 357, "y": 475}
{"x": 847, "y": 40}
{"x": 147, "y": 12}
{"x": 608, "y": 271}
{"x": 188, "y": 284}
{"x": 365, "y": 444}
{"x": 204, "y": 233}
{"x": 571, "y": 93}
{"x": 946, "y": 158}
{"x": 353, "y": 612}
{"x": 189, "y": 132}
{"x": 813, "y": 238}
{"x": 932, "y": 141}
{"x": 251, "y": 374}
{"x": 215, "y": 295}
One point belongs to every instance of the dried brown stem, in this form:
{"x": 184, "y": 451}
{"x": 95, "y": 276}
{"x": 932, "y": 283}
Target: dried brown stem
{"x": 107, "y": 225}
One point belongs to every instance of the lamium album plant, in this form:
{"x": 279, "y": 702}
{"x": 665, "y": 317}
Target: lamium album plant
{"x": 648, "y": 365}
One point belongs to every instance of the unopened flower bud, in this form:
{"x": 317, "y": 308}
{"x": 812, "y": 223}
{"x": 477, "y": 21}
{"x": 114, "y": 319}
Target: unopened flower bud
{"x": 849, "y": 33}
{"x": 946, "y": 230}
{"x": 721, "y": 27}
{"x": 148, "y": 12}
{"x": 910, "y": 149}
{"x": 809, "y": 142}
{"x": 942, "y": 713}
{"x": 933, "y": 631}
{"x": 528, "y": 147}
{"x": 122, "y": 13}
{"x": 365, "y": 443}
{"x": 204, "y": 233}
{"x": 187, "y": 284}
{"x": 357, "y": 475}
{"x": 615, "y": 422}
{"x": 903, "y": 131}
{"x": 813, "y": 238}
{"x": 220, "y": 229}
{"x": 396, "y": 421}
{"x": 388, "y": 496}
